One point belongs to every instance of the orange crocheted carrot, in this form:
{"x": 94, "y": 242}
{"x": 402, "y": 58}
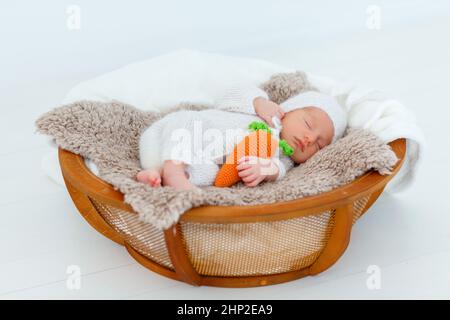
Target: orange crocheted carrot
{"x": 259, "y": 143}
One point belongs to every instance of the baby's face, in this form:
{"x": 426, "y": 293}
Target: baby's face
{"x": 307, "y": 130}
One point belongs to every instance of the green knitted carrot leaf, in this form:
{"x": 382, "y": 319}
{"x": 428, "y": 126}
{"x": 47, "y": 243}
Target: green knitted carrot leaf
{"x": 286, "y": 148}
{"x": 259, "y": 125}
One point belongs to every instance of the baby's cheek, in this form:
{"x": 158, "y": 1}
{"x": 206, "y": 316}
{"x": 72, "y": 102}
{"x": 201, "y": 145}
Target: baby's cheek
{"x": 297, "y": 157}
{"x": 300, "y": 157}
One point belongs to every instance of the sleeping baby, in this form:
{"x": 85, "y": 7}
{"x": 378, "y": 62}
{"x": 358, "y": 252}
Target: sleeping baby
{"x": 185, "y": 149}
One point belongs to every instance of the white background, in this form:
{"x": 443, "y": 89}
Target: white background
{"x": 407, "y": 235}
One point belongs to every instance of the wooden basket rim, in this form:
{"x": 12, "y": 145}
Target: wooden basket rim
{"x": 76, "y": 172}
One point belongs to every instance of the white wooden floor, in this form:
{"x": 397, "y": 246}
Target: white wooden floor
{"x": 406, "y": 235}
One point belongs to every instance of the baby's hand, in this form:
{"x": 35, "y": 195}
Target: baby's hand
{"x": 267, "y": 109}
{"x": 253, "y": 170}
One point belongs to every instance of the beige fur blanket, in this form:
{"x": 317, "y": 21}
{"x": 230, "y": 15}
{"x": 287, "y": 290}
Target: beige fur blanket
{"x": 108, "y": 134}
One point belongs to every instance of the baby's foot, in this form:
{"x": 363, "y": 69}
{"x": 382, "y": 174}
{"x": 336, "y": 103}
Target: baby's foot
{"x": 180, "y": 184}
{"x": 152, "y": 177}
{"x": 178, "y": 181}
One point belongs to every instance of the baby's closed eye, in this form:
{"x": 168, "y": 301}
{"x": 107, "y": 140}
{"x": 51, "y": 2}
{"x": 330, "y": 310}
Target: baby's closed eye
{"x": 307, "y": 124}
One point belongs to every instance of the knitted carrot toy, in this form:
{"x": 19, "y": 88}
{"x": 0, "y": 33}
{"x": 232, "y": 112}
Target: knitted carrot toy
{"x": 259, "y": 143}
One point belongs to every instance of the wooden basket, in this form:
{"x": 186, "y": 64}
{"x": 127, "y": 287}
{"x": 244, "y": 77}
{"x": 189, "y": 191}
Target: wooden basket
{"x": 231, "y": 246}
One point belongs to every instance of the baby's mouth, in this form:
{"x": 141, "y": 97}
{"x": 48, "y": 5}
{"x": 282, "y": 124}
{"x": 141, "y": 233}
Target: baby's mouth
{"x": 299, "y": 144}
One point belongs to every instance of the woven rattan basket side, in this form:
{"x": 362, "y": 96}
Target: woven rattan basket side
{"x": 260, "y": 248}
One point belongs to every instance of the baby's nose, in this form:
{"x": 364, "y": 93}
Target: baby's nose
{"x": 309, "y": 140}
{"x": 306, "y": 141}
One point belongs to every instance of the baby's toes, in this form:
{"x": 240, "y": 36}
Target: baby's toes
{"x": 155, "y": 182}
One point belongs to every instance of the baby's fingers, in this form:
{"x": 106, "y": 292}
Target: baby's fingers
{"x": 249, "y": 179}
{"x": 249, "y": 160}
{"x": 243, "y": 166}
{"x": 255, "y": 182}
{"x": 245, "y": 173}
